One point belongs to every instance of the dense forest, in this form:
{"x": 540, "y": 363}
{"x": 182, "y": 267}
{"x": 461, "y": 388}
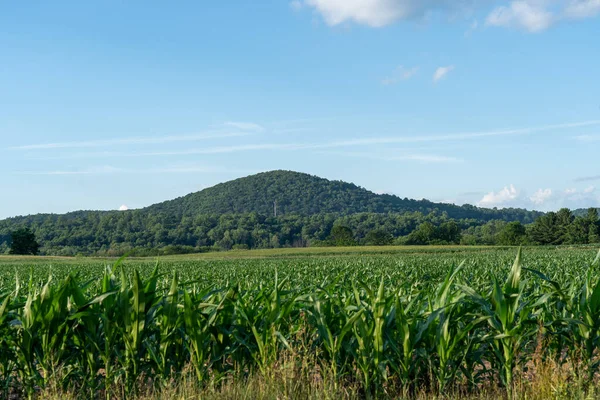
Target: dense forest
{"x": 295, "y": 193}
{"x": 310, "y": 212}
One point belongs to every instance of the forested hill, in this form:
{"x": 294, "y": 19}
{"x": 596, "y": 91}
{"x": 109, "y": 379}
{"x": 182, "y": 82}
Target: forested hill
{"x": 240, "y": 214}
{"x": 582, "y": 212}
{"x": 303, "y": 194}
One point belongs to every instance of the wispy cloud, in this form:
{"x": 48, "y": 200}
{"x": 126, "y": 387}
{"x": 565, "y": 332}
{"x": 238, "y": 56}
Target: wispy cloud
{"x": 472, "y": 28}
{"x": 425, "y": 158}
{"x": 504, "y": 197}
{"x": 245, "y": 126}
{"x": 588, "y": 138}
{"x": 379, "y": 13}
{"x": 221, "y": 149}
{"x": 441, "y": 72}
{"x": 458, "y": 136}
{"x": 541, "y": 196}
{"x": 106, "y": 170}
{"x": 588, "y": 178}
{"x": 400, "y": 74}
{"x": 541, "y": 199}
{"x": 528, "y": 15}
{"x": 535, "y": 16}
{"x": 328, "y": 145}
{"x": 130, "y": 140}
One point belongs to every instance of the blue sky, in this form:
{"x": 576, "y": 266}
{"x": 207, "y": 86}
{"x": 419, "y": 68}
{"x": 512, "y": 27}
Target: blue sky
{"x": 112, "y": 103}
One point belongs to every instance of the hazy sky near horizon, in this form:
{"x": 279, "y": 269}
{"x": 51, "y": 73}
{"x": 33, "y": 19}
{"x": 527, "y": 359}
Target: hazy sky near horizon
{"x": 111, "y": 103}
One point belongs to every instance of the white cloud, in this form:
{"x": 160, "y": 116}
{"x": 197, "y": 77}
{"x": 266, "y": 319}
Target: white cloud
{"x": 507, "y": 195}
{"x": 245, "y": 126}
{"x": 400, "y": 74}
{"x": 542, "y": 199}
{"x": 541, "y": 196}
{"x": 529, "y": 15}
{"x": 578, "y": 9}
{"x": 123, "y": 208}
{"x": 441, "y": 72}
{"x": 378, "y": 13}
{"x": 538, "y": 15}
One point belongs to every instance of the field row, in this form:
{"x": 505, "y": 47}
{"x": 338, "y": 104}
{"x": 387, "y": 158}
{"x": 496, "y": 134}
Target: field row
{"x": 385, "y": 324}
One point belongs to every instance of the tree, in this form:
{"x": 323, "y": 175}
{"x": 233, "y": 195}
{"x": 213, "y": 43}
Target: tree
{"x": 593, "y": 234}
{"x": 579, "y": 231}
{"x": 564, "y": 219}
{"x": 545, "y": 230}
{"x": 424, "y": 234}
{"x": 342, "y": 236}
{"x": 513, "y": 234}
{"x": 594, "y": 226}
{"x": 23, "y": 242}
{"x": 449, "y": 232}
{"x": 379, "y": 237}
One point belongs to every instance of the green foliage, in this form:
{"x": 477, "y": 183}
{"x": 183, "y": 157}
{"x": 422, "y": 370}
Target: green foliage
{"x": 378, "y": 237}
{"x": 545, "y": 230}
{"x": 593, "y": 226}
{"x": 513, "y": 234}
{"x": 23, "y": 242}
{"x": 304, "y": 194}
{"x": 427, "y": 233}
{"x": 240, "y": 213}
{"x": 418, "y": 321}
{"x": 342, "y": 236}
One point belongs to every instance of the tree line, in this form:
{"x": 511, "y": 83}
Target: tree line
{"x": 139, "y": 233}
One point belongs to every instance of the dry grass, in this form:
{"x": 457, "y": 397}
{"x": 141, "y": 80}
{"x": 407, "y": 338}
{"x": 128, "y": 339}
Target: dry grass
{"x": 296, "y": 378}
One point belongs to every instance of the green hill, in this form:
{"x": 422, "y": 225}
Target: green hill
{"x": 303, "y": 194}
{"x": 241, "y": 213}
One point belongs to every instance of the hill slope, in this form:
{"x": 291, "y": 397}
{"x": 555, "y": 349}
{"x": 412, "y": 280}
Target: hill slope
{"x": 303, "y": 194}
{"x": 240, "y": 212}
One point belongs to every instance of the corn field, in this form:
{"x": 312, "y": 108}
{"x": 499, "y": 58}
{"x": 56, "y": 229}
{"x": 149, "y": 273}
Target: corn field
{"x": 386, "y": 324}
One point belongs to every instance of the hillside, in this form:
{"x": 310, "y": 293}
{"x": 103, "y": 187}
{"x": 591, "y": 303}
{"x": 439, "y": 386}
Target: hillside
{"x": 241, "y": 213}
{"x": 303, "y": 194}
{"x": 582, "y": 212}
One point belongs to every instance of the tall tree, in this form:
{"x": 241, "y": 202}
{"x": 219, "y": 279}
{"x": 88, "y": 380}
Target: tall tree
{"x": 513, "y": 234}
{"x": 342, "y": 236}
{"x": 23, "y": 242}
{"x": 449, "y": 232}
{"x": 564, "y": 219}
{"x": 378, "y": 237}
{"x": 546, "y": 230}
{"x": 594, "y": 226}
{"x": 579, "y": 231}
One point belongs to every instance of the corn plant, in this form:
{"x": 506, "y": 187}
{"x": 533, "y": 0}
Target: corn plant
{"x": 333, "y": 318}
{"x": 386, "y": 324}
